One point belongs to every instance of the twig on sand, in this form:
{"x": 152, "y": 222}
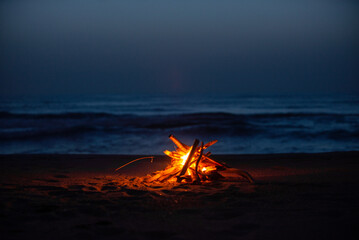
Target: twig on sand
{"x": 137, "y": 159}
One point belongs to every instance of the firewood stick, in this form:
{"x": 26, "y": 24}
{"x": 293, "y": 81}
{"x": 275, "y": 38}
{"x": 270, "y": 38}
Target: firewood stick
{"x": 185, "y": 166}
{"x": 168, "y": 176}
{"x": 179, "y": 144}
{"x": 198, "y": 160}
{"x": 168, "y": 153}
{"x": 207, "y": 145}
{"x": 194, "y": 177}
{"x": 172, "y": 154}
{"x": 164, "y": 175}
{"x": 190, "y": 156}
{"x": 214, "y": 161}
{"x": 234, "y": 173}
{"x": 246, "y": 175}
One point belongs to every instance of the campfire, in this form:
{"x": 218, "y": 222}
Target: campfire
{"x": 190, "y": 164}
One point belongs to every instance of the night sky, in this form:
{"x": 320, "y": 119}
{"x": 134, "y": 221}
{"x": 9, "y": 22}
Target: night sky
{"x": 179, "y": 47}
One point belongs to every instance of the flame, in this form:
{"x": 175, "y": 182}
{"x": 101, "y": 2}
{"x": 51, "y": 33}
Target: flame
{"x": 196, "y": 166}
{"x": 184, "y": 157}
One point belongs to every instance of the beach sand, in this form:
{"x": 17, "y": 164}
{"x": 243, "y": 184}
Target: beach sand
{"x": 295, "y": 196}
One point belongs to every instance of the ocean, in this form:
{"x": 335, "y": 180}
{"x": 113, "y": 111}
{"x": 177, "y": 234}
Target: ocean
{"x": 120, "y": 124}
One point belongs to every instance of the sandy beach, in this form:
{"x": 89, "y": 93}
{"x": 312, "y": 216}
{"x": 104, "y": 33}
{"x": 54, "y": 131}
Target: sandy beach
{"x": 295, "y": 196}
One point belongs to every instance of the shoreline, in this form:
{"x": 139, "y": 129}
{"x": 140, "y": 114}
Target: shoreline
{"x": 239, "y": 157}
{"x": 107, "y": 163}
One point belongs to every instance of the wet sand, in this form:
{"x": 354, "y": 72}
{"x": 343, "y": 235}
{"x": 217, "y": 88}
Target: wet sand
{"x": 295, "y": 196}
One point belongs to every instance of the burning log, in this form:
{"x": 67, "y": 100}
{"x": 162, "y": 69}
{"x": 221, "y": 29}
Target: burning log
{"x": 190, "y": 164}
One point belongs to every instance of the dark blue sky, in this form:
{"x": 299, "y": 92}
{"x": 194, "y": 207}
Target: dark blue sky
{"x": 235, "y": 47}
